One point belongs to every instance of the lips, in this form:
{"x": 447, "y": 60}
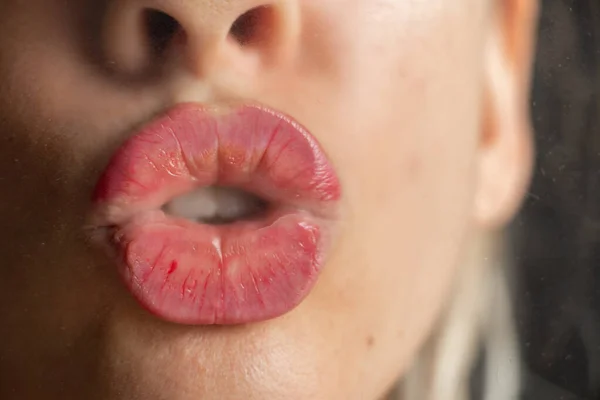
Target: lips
{"x": 245, "y": 270}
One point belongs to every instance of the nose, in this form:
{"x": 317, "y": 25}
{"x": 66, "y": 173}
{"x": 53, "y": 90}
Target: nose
{"x": 205, "y": 37}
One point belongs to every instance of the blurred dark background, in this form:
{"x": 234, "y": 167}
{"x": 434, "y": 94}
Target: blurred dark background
{"x": 557, "y": 234}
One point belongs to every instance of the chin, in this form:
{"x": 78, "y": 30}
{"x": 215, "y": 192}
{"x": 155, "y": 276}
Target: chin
{"x": 148, "y": 359}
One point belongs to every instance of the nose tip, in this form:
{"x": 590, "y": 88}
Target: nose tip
{"x": 203, "y": 35}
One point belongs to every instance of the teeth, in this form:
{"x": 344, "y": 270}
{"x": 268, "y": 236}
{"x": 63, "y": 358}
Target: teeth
{"x": 214, "y": 204}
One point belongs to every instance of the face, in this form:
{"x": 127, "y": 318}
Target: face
{"x": 396, "y": 93}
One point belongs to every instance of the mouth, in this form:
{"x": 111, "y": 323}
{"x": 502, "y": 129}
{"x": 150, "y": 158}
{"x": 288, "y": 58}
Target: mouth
{"x": 218, "y": 216}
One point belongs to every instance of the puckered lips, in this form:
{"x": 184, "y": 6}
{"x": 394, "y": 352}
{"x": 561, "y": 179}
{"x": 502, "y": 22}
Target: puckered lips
{"x": 218, "y": 215}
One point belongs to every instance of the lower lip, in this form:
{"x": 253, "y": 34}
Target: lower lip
{"x": 247, "y": 271}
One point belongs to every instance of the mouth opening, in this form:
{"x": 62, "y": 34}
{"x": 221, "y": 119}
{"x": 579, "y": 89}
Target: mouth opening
{"x": 216, "y": 205}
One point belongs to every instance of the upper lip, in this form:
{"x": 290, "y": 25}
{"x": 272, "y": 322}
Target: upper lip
{"x": 116, "y": 203}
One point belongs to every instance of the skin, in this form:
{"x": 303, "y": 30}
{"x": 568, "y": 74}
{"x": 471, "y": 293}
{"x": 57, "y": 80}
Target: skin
{"x": 420, "y": 105}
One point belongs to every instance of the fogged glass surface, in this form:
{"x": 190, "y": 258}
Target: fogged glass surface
{"x": 299, "y": 199}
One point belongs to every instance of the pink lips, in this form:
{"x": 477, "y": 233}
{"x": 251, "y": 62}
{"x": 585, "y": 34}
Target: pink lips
{"x": 246, "y": 271}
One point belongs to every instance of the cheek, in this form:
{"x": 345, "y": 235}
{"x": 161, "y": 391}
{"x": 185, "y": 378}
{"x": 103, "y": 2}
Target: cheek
{"x": 406, "y": 128}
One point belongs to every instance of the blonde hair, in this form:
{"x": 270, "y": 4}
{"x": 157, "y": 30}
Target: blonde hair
{"x": 478, "y": 317}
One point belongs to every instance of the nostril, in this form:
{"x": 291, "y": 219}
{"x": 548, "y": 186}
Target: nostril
{"x": 253, "y": 26}
{"x": 161, "y": 28}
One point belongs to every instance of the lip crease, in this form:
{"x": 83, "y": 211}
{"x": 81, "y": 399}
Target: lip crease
{"x": 240, "y": 272}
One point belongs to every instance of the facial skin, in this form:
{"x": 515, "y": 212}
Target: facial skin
{"x": 420, "y": 105}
